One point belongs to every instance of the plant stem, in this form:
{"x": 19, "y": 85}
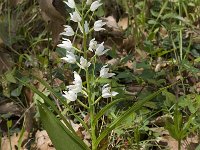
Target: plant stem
{"x": 179, "y": 144}
{"x": 180, "y": 32}
{"x": 90, "y": 100}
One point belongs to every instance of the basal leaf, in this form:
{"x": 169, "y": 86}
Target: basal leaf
{"x": 60, "y": 136}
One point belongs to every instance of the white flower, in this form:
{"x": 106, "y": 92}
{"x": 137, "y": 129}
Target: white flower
{"x": 98, "y": 25}
{"x": 76, "y": 88}
{"x": 106, "y": 91}
{"x": 71, "y": 3}
{"x": 66, "y": 45}
{"x": 70, "y": 95}
{"x": 75, "y": 17}
{"x": 70, "y": 58}
{"x": 83, "y": 63}
{"x": 95, "y": 5}
{"x": 88, "y": 2}
{"x": 100, "y": 49}
{"x": 68, "y": 31}
{"x": 77, "y": 78}
{"x": 104, "y": 72}
{"x": 92, "y": 45}
{"x": 86, "y": 27}
{"x": 77, "y": 83}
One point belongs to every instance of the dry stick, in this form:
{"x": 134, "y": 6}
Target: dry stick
{"x": 23, "y": 115}
{"x": 57, "y": 102}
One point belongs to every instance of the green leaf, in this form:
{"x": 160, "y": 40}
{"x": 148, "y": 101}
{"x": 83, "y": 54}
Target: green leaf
{"x": 21, "y": 138}
{"x": 16, "y": 92}
{"x": 10, "y": 76}
{"x": 60, "y": 136}
{"x": 107, "y": 107}
{"x": 36, "y": 97}
{"x": 170, "y": 98}
{"x": 188, "y": 66}
{"x": 198, "y": 147}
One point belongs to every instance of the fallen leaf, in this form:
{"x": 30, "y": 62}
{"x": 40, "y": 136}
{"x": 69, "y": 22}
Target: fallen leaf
{"x": 43, "y": 141}
{"x": 10, "y": 107}
{"x": 123, "y": 23}
{"x": 111, "y": 22}
{"x": 54, "y": 13}
{"x": 6, "y": 142}
{"x": 6, "y": 62}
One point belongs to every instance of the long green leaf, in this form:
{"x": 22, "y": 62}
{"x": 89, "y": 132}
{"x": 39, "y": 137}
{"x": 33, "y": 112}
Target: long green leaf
{"x": 117, "y": 121}
{"x": 108, "y": 106}
{"x": 60, "y": 136}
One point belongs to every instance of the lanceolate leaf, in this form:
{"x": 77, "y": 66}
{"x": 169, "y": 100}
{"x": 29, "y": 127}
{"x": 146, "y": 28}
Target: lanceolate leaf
{"x": 108, "y": 106}
{"x": 60, "y": 136}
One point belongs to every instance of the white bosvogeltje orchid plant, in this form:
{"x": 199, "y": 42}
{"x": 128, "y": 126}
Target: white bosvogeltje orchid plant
{"x": 86, "y": 63}
{"x": 95, "y": 86}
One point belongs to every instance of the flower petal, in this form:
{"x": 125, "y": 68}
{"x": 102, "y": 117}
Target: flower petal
{"x": 70, "y": 95}
{"x": 71, "y": 3}
{"x": 98, "y": 25}
{"x": 75, "y": 17}
{"x": 95, "y": 5}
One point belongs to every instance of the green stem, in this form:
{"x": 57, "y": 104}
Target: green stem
{"x": 9, "y": 22}
{"x": 98, "y": 100}
{"x": 92, "y": 112}
{"x": 85, "y": 106}
{"x": 90, "y": 99}
{"x": 76, "y": 49}
{"x": 180, "y": 33}
{"x": 179, "y": 144}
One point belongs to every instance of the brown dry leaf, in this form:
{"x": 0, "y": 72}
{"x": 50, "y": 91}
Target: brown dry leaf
{"x": 197, "y": 87}
{"x": 5, "y": 143}
{"x": 1, "y": 41}
{"x": 130, "y": 65}
{"x": 111, "y": 22}
{"x": 190, "y": 143}
{"x": 51, "y": 12}
{"x": 1, "y": 8}
{"x": 6, "y": 62}
{"x": 54, "y": 13}
{"x": 114, "y": 61}
{"x": 10, "y": 107}
{"x": 123, "y": 23}
{"x": 163, "y": 32}
{"x": 57, "y": 82}
{"x": 56, "y": 27}
{"x": 161, "y": 64}
{"x": 43, "y": 141}
{"x": 139, "y": 55}
{"x": 171, "y": 143}
{"x": 83, "y": 134}
{"x": 128, "y": 44}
